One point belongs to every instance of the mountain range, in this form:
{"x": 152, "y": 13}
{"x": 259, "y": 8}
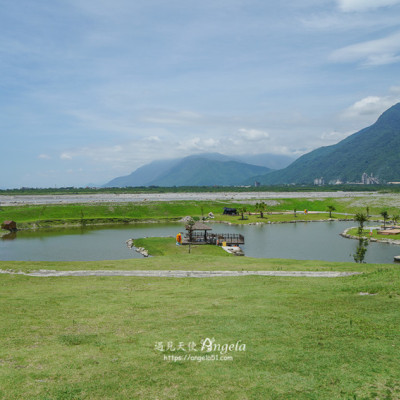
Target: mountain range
{"x": 206, "y": 169}
{"x": 373, "y": 151}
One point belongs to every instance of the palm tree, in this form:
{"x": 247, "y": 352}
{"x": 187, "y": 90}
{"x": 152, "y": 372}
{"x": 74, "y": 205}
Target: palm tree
{"x": 261, "y": 207}
{"x": 395, "y": 218}
{"x": 331, "y": 209}
{"x": 361, "y": 218}
{"x": 242, "y": 210}
{"x": 359, "y": 255}
{"x": 385, "y": 216}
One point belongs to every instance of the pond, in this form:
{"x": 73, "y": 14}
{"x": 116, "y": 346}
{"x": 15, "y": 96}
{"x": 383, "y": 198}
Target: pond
{"x": 301, "y": 241}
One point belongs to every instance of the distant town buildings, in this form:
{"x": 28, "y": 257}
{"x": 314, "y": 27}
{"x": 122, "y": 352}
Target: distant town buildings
{"x": 365, "y": 180}
{"x": 319, "y": 181}
{"x": 369, "y": 180}
{"x": 257, "y": 184}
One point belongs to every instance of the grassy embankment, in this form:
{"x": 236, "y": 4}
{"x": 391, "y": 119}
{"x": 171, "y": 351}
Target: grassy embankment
{"x": 75, "y": 214}
{"x": 375, "y": 234}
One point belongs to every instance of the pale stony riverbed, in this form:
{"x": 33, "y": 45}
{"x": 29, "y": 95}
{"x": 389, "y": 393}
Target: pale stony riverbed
{"x": 123, "y": 198}
{"x": 183, "y": 274}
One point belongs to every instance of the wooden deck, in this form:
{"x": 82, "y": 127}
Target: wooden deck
{"x": 214, "y": 238}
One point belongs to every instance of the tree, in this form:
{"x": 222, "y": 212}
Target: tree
{"x": 242, "y": 210}
{"x": 395, "y": 218}
{"x": 361, "y": 218}
{"x": 295, "y": 211}
{"x": 361, "y": 249}
{"x": 261, "y": 207}
{"x": 331, "y": 209}
{"x": 385, "y": 216}
{"x": 189, "y": 228}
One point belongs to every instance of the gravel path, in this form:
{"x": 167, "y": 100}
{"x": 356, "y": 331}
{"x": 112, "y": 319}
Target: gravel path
{"x": 183, "y": 274}
{"x": 122, "y": 198}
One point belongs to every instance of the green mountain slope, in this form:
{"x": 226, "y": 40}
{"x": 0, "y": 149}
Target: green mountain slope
{"x": 143, "y": 175}
{"x": 374, "y": 150}
{"x": 199, "y": 171}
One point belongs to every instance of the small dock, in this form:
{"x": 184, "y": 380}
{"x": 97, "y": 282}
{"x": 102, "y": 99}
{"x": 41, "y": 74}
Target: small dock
{"x": 200, "y": 234}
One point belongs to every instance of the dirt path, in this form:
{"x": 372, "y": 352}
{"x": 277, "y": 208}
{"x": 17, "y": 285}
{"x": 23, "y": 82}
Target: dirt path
{"x": 183, "y": 274}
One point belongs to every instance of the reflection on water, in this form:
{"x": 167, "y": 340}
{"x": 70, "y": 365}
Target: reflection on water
{"x": 9, "y": 236}
{"x": 302, "y": 241}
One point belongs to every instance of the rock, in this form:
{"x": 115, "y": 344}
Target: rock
{"x": 186, "y": 219}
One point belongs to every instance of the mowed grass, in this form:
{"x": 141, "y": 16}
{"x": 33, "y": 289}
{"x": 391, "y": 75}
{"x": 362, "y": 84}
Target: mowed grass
{"x": 53, "y": 215}
{"x": 95, "y": 337}
{"x": 103, "y": 212}
{"x": 167, "y": 246}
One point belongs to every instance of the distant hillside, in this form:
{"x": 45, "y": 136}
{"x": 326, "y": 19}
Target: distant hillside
{"x": 198, "y": 170}
{"x": 143, "y": 175}
{"x": 374, "y": 150}
{"x": 272, "y": 161}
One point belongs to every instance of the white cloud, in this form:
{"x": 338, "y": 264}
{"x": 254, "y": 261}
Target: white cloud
{"x": 371, "y": 106}
{"x": 153, "y": 139}
{"x": 197, "y": 144}
{"x": 333, "y": 137}
{"x": 253, "y": 135}
{"x": 370, "y": 53}
{"x": 165, "y": 117}
{"x": 66, "y": 156}
{"x": 364, "y": 5}
{"x": 44, "y": 157}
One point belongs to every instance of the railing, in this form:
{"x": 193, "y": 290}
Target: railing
{"x": 216, "y": 238}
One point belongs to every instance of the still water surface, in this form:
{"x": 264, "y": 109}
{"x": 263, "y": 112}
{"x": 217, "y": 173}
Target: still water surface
{"x": 301, "y": 241}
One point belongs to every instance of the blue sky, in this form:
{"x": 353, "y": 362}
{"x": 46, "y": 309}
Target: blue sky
{"x": 93, "y": 89}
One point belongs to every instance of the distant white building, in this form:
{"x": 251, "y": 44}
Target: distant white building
{"x": 319, "y": 181}
{"x": 369, "y": 180}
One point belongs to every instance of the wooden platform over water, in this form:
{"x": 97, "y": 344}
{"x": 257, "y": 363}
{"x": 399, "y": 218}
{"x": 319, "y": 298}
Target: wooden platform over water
{"x": 230, "y": 239}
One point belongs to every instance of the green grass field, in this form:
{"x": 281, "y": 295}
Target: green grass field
{"x": 28, "y": 216}
{"x": 107, "y": 337}
{"x": 99, "y": 337}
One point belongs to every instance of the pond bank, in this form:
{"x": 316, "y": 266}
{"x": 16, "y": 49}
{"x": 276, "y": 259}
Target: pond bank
{"x": 388, "y": 241}
{"x": 76, "y": 223}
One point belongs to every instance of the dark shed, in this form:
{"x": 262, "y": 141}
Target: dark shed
{"x": 9, "y": 225}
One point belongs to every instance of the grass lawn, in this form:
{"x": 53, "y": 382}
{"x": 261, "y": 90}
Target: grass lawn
{"x": 271, "y": 218}
{"x": 108, "y": 337}
{"x": 53, "y": 215}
